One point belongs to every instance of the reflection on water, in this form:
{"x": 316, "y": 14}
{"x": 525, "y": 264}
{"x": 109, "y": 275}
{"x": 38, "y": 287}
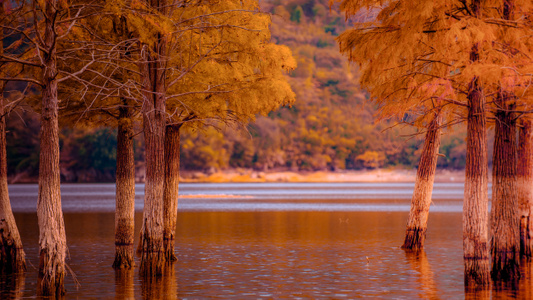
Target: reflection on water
{"x": 251, "y": 254}
{"x": 12, "y": 286}
{"x": 419, "y": 262}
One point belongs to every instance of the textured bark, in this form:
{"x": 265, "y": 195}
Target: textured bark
{"x": 172, "y": 173}
{"x": 505, "y": 231}
{"x": 154, "y": 120}
{"x": 125, "y": 192}
{"x": 475, "y": 205}
{"x": 52, "y": 239}
{"x": 418, "y": 216}
{"x": 12, "y": 257}
{"x": 525, "y": 187}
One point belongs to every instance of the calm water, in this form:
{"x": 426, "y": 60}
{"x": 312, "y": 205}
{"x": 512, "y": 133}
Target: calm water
{"x": 253, "y": 241}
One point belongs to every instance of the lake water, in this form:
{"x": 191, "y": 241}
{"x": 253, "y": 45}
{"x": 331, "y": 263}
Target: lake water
{"x": 266, "y": 240}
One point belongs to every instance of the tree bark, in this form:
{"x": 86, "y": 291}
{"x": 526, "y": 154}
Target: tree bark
{"x": 475, "y": 205}
{"x": 418, "y": 216}
{"x": 525, "y": 187}
{"x": 12, "y": 257}
{"x": 52, "y": 239}
{"x": 504, "y": 214}
{"x": 172, "y": 173}
{"x": 154, "y": 121}
{"x": 125, "y": 192}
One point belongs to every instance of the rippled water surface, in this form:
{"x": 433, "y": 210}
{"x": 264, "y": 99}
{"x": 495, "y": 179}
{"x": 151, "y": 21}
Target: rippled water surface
{"x": 250, "y": 241}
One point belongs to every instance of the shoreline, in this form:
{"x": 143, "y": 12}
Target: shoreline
{"x": 377, "y": 175}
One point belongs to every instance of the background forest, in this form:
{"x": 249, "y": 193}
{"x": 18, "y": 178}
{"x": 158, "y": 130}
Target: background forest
{"x": 331, "y": 126}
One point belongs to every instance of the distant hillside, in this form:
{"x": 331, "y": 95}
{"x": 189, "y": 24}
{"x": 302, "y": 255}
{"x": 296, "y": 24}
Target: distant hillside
{"x": 330, "y": 127}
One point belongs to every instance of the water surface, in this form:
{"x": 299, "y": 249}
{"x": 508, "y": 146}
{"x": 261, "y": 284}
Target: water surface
{"x": 252, "y": 241}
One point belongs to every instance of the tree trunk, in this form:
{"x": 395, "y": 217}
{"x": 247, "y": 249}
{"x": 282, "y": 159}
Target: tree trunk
{"x": 418, "y": 216}
{"x": 154, "y": 121}
{"x": 172, "y": 173}
{"x": 525, "y": 187}
{"x": 125, "y": 193}
{"x": 12, "y": 257}
{"x": 504, "y": 214}
{"x": 151, "y": 243}
{"x": 52, "y": 239}
{"x": 475, "y": 205}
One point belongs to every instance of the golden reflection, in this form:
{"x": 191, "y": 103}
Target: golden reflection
{"x": 164, "y": 287}
{"x": 280, "y": 227}
{"x": 12, "y": 286}
{"x": 526, "y": 280}
{"x": 124, "y": 279}
{"x": 420, "y": 263}
{"x": 477, "y": 292}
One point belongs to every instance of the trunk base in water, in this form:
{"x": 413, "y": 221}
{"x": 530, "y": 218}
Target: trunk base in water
{"x": 51, "y": 275}
{"x": 124, "y": 258}
{"x": 477, "y": 272}
{"x": 169, "y": 250}
{"x": 526, "y": 243}
{"x": 506, "y": 268}
{"x": 152, "y": 263}
{"x": 414, "y": 239}
{"x": 11, "y": 259}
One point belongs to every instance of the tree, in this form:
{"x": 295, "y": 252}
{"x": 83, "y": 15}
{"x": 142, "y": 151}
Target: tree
{"x": 425, "y": 176}
{"x": 235, "y": 74}
{"x": 38, "y": 27}
{"x": 12, "y": 257}
{"x": 420, "y": 52}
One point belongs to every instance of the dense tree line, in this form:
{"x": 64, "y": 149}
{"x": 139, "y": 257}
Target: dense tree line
{"x": 329, "y": 127}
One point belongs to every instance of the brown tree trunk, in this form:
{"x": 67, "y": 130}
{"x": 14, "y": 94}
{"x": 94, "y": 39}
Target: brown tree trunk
{"x": 12, "y": 257}
{"x": 425, "y": 175}
{"x": 154, "y": 121}
{"x": 52, "y": 239}
{"x": 504, "y": 214}
{"x": 525, "y": 187}
{"x": 475, "y": 205}
{"x": 125, "y": 192}
{"x": 172, "y": 173}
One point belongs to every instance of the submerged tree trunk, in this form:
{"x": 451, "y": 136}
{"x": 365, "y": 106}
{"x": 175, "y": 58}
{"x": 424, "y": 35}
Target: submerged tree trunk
{"x": 125, "y": 192}
{"x": 418, "y": 216}
{"x": 525, "y": 187}
{"x": 52, "y": 239}
{"x": 172, "y": 173}
{"x": 504, "y": 214}
{"x": 476, "y": 201}
{"x": 12, "y": 257}
{"x": 154, "y": 121}
{"x": 475, "y": 205}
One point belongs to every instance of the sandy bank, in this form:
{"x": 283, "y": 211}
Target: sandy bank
{"x": 379, "y": 175}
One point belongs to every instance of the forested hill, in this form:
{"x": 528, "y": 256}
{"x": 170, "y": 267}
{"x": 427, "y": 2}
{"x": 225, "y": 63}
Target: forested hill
{"x": 330, "y": 126}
